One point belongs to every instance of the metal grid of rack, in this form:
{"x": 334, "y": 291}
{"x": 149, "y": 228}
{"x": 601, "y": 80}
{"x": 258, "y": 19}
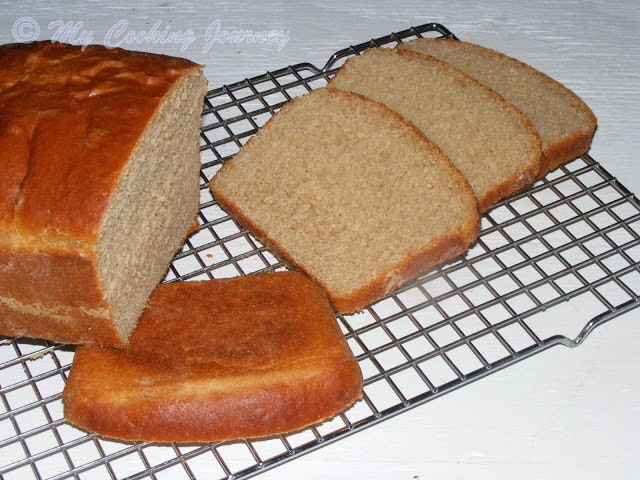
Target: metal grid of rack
{"x": 568, "y": 248}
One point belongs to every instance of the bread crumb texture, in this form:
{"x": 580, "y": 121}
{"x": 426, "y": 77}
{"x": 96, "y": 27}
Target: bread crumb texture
{"x": 490, "y": 142}
{"x": 564, "y": 122}
{"x": 350, "y": 193}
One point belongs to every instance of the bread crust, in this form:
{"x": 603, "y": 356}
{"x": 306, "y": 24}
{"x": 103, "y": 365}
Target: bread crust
{"x": 218, "y": 360}
{"x": 69, "y": 120}
{"x": 53, "y": 294}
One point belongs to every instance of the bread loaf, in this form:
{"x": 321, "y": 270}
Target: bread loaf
{"x": 99, "y": 185}
{"x": 564, "y": 122}
{"x": 218, "y": 360}
{"x": 492, "y": 144}
{"x": 347, "y": 191}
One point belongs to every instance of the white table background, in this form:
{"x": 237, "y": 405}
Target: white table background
{"x": 562, "y": 414}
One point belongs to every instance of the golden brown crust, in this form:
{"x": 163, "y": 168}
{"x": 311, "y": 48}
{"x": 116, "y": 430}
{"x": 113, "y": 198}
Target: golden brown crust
{"x": 53, "y": 295}
{"x": 69, "y": 120}
{"x": 218, "y": 360}
{"x": 62, "y": 325}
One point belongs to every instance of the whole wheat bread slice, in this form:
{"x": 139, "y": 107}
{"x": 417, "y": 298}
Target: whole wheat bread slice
{"x": 350, "y": 193}
{"x": 218, "y": 360}
{"x": 493, "y": 144}
{"x": 564, "y": 122}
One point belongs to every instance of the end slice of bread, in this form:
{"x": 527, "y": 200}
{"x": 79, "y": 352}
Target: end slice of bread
{"x": 494, "y": 145}
{"x": 218, "y": 360}
{"x": 564, "y": 121}
{"x": 350, "y": 193}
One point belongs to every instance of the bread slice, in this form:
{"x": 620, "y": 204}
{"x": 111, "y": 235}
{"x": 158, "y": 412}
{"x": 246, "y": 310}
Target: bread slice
{"x": 218, "y": 360}
{"x": 492, "y": 144}
{"x": 100, "y": 182}
{"x": 350, "y": 193}
{"x": 564, "y": 122}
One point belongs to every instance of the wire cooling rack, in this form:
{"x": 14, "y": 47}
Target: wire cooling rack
{"x": 551, "y": 264}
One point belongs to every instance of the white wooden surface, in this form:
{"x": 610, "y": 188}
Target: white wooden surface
{"x": 563, "y": 414}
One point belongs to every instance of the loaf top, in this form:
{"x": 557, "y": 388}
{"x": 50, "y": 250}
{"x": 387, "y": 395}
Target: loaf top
{"x": 494, "y": 145}
{"x": 564, "y": 122}
{"x": 69, "y": 119}
{"x": 216, "y": 360}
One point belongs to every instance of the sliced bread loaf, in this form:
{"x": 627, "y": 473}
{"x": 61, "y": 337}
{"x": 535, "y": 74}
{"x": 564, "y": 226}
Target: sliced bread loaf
{"x": 98, "y": 185}
{"x": 492, "y": 144}
{"x": 350, "y": 193}
{"x": 218, "y": 360}
{"x": 564, "y": 122}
